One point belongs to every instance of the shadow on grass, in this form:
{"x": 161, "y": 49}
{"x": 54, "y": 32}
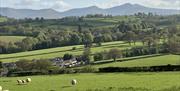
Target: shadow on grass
{"x": 132, "y": 89}
{"x": 66, "y": 86}
{"x": 120, "y": 46}
{"x": 6, "y": 81}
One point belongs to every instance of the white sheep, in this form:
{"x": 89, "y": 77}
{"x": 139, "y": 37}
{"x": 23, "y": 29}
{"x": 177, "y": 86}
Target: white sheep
{"x": 5, "y": 90}
{"x": 19, "y": 82}
{"x": 28, "y": 80}
{"x": 74, "y": 82}
{"x": 1, "y": 88}
{"x": 24, "y": 81}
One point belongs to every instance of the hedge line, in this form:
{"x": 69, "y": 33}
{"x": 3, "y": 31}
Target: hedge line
{"x": 141, "y": 69}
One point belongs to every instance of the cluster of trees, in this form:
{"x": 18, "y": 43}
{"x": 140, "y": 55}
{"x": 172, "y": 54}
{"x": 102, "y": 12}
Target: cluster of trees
{"x": 40, "y": 36}
{"x": 29, "y": 67}
{"x": 98, "y": 16}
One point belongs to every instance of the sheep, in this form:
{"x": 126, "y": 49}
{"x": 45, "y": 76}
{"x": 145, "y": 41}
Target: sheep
{"x": 19, "y": 82}
{"x": 0, "y": 88}
{"x": 24, "y": 81}
{"x": 74, "y": 82}
{"x": 28, "y": 80}
{"x": 5, "y": 90}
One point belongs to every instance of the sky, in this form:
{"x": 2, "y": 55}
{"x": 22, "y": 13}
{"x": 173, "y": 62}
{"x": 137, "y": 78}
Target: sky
{"x": 63, "y": 5}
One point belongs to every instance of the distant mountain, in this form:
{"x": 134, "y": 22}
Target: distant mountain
{"x": 125, "y": 9}
{"x": 129, "y": 9}
{"x": 29, "y": 13}
{"x": 83, "y": 11}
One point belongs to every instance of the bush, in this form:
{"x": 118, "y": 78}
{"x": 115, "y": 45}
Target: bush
{"x": 67, "y": 56}
{"x": 98, "y": 56}
{"x": 141, "y": 69}
{"x": 88, "y": 69}
{"x": 74, "y": 48}
{"x": 66, "y": 71}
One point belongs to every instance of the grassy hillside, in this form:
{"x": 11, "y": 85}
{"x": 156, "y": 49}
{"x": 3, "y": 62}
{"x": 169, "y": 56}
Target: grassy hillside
{"x": 109, "y": 81}
{"x": 60, "y": 51}
{"x": 3, "y": 19}
{"x": 144, "y": 61}
{"x": 11, "y": 38}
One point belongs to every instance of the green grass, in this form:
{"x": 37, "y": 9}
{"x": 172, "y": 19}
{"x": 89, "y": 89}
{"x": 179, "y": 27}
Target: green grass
{"x": 140, "y": 61}
{"x": 131, "y": 81}
{"x": 3, "y": 19}
{"x": 60, "y": 51}
{"x": 12, "y": 39}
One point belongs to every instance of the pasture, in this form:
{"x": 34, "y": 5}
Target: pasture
{"x": 12, "y": 39}
{"x": 60, "y": 51}
{"x": 162, "y": 81}
{"x": 144, "y": 61}
{"x": 3, "y": 19}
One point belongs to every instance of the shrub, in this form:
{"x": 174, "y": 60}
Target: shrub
{"x": 66, "y": 71}
{"x": 74, "y": 48}
{"x": 88, "y": 69}
{"x": 98, "y": 57}
{"x": 67, "y": 56}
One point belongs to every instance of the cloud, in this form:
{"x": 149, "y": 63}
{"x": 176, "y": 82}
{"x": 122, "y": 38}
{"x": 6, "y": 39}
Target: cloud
{"x": 62, "y": 5}
{"x": 58, "y": 5}
{"x": 175, "y": 4}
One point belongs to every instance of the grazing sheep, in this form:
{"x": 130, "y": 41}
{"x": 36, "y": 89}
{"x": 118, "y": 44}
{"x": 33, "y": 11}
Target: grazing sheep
{"x": 23, "y": 81}
{"x": 5, "y": 90}
{"x": 19, "y": 82}
{"x": 0, "y": 88}
{"x": 74, "y": 82}
{"x": 28, "y": 80}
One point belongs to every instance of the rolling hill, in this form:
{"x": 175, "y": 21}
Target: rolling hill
{"x": 125, "y": 9}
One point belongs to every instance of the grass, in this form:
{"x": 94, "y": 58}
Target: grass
{"x": 60, "y": 51}
{"x": 3, "y": 19}
{"x": 141, "y": 61}
{"x": 12, "y": 39}
{"x": 122, "y": 81}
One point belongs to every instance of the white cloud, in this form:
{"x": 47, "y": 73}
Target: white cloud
{"x": 110, "y": 3}
{"x": 62, "y": 5}
{"x": 175, "y": 4}
{"x": 59, "y": 5}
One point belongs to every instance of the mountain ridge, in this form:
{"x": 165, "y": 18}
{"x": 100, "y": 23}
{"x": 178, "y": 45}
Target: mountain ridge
{"x": 124, "y": 9}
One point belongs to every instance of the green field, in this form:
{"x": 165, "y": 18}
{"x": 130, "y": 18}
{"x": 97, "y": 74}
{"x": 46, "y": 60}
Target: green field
{"x": 141, "y": 61}
{"x": 12, "y": 39}
{"x": 128, "y": 81}
{"x": 3, "y": 19}
{"x": 60, "y": 51}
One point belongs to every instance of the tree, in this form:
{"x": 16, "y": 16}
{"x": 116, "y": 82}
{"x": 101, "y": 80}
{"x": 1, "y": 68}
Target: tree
{"x": 107, "y": 37}
{"x": 130, "y": 36}
{"x": 79, "y": 29}
{"x": 115, "y": 53}
{"x": 42, "y": 65}
{"x": 67, "y": 56}
{"x": 1, "y": 66}
{"x": 98, "y": 39}
{"x": 174, "y": 45}
{"x": 88, "y": 39}
{"x": 98, "y": 56}
{"x": 24, "y": 65}
{"x": 149, "y": 41}
{"x": 86, "y": 55}
{"x": 75, "y": 39}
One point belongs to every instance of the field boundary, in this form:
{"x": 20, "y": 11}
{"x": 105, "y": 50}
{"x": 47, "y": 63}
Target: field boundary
{"x": 128, "y": 59}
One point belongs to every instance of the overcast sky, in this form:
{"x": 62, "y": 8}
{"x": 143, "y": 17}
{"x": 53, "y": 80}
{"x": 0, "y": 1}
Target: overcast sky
{"x": 62, "y": 5}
